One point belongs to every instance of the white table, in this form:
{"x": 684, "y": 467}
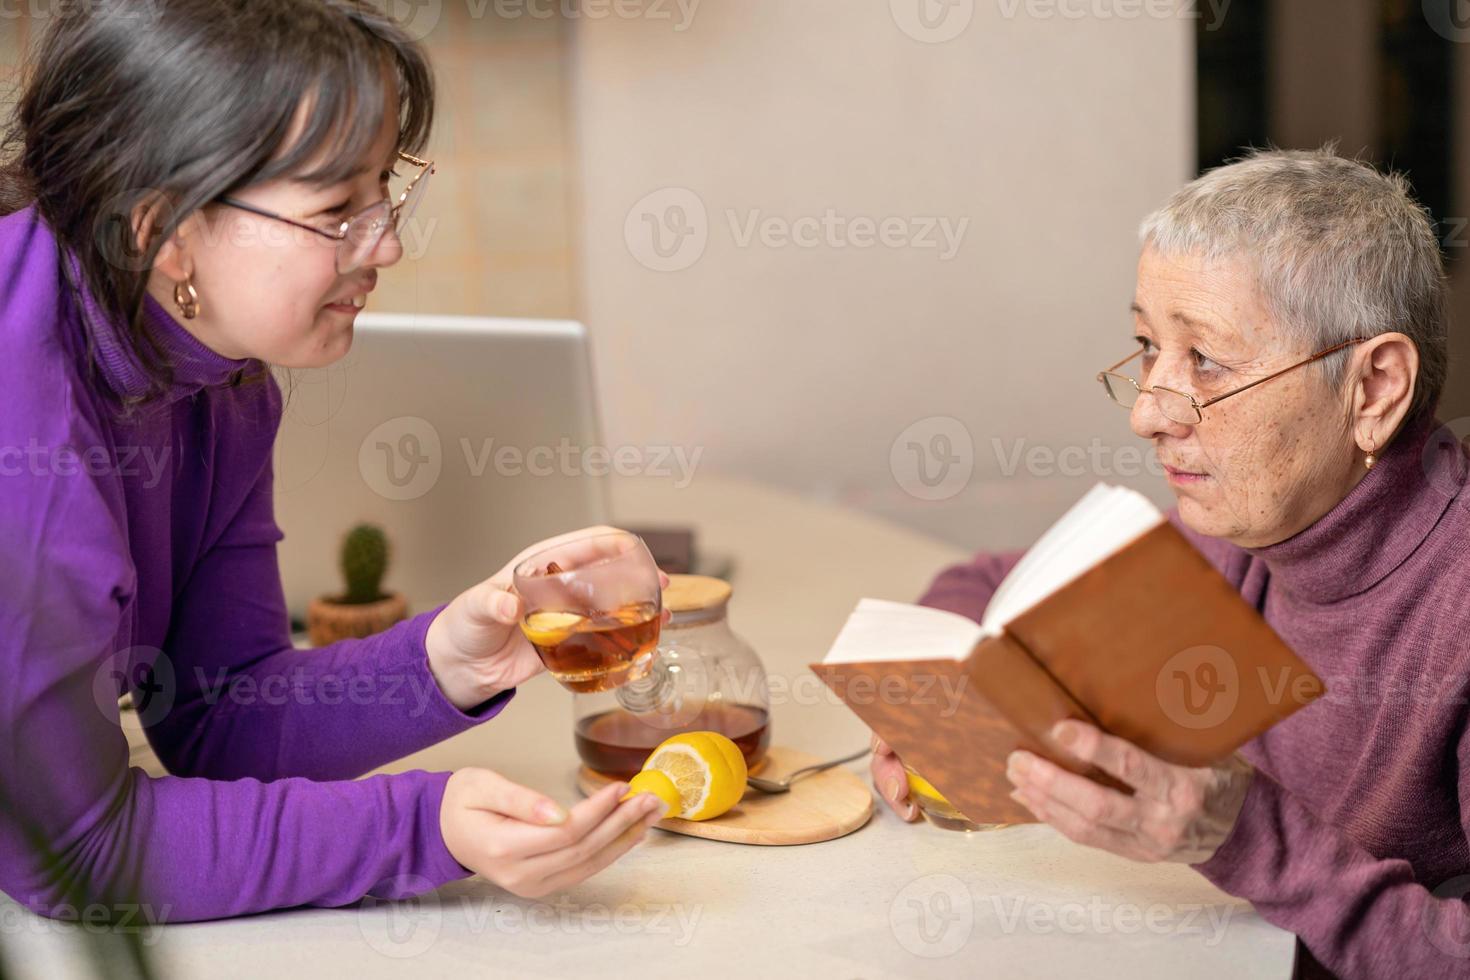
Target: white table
{"x": 891, "y": 900}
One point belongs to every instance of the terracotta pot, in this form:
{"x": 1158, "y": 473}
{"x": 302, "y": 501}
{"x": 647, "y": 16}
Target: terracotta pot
{"x": 329, "y": 619}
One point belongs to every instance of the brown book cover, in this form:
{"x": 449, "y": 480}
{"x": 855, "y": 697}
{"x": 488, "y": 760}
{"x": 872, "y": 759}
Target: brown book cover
{"x": 1150, "y": 644}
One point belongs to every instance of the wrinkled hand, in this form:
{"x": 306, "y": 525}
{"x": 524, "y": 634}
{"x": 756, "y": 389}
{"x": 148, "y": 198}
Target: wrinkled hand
{"x": 891, "y": 781}
{"x": 475, "y": 645}
{"x": 1176, "y": 813}
{"x": 527, "y": 844}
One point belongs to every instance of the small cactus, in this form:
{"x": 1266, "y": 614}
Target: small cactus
{"x": 364, "y": 562}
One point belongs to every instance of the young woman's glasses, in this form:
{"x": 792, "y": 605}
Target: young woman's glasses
{"x": 360, "y": 234}
{"x": 1180, "y": 406}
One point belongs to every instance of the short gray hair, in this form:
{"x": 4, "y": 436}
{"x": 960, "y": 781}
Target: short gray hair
{"x": 1339, "y": 251}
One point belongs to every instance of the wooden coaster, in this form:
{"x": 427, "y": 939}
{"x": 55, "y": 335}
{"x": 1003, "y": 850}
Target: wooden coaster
{"x": 821, "y": 806}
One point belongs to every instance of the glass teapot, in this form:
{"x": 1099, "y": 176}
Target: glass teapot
{"x": 704, "y": 678}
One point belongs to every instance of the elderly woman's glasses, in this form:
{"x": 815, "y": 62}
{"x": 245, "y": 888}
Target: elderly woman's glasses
{"x": 1180, "y": 406}
{"x": 360, "y": 234}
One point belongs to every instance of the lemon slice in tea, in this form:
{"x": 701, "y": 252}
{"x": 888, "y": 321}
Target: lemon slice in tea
{"x": 547, "y": 629}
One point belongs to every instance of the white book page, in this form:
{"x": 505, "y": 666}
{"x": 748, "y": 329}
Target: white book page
{"x": 879, "y": 630}
{"x": 1105, "y": 520}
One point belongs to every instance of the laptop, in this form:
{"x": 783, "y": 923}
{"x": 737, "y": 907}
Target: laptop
{"x": 465, "y": 438}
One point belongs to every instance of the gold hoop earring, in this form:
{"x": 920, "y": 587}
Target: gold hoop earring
{"x": 1370, "y": 459}
{"x": 186, "y": 297}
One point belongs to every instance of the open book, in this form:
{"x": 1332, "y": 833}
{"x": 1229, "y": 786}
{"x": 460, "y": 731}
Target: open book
{"x": 1112, "y": 617}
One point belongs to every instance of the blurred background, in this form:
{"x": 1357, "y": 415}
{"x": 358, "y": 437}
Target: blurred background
{"x": 873, "y": 252}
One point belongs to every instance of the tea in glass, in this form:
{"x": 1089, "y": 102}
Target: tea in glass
{"x": 593, "y": 608}
{"x": 598, "y": 652}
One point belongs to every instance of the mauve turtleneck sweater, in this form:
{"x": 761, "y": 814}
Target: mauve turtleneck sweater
{"x": 145, "y": 541}
{"x": 1353, "y": 833}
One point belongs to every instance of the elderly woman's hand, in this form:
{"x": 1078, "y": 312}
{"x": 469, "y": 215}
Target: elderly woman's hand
{"x": 890, "y": 780}
{"x": 1175, "y": 814}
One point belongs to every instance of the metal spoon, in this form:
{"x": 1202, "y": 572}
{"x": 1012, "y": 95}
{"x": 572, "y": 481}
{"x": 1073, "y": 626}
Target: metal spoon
{"x": 784, "y": 785}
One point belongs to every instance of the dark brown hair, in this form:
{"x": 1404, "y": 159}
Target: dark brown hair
{"x": 181, "y": 101}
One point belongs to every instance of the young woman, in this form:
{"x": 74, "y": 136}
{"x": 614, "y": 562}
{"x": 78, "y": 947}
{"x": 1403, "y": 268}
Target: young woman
{"x": 200, "y": 188}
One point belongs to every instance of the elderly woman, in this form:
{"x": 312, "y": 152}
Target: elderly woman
{"x": 1291, "y": 331}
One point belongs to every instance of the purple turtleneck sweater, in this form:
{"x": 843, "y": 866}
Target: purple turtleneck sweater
{"x": 1353, "y": 834}
{"x": 140, "y": 552}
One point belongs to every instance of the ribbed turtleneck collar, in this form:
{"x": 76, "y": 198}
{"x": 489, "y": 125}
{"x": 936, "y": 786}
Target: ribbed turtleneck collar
{"x": 1378, "y": 524}
{"x": 194, "y": 365}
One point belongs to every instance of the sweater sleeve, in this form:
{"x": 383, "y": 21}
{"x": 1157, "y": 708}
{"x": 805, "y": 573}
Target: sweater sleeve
{"x": 1358, "y": 915}
{"x": 77, "y": 825}
{"x": 966, "y": 588}
{"x": 250, "y": 704}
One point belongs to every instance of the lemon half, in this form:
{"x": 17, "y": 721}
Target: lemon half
{"x": 660, "y": 785}
{"x": 707, "y": 770}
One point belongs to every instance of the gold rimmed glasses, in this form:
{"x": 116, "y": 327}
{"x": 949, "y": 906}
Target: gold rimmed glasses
{"x": 360, "y": 234}
{"x": 1180, "y": 406}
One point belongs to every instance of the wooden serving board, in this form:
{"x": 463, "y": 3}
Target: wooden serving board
{"x": 820, "y": 806}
